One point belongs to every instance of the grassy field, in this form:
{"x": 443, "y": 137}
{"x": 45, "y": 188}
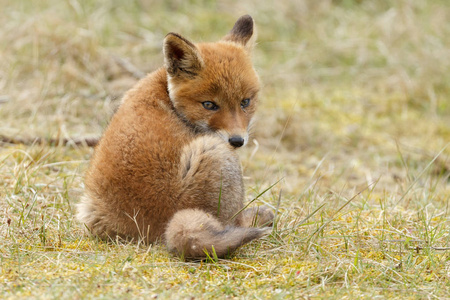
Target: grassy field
{"x": 354, "y": 123}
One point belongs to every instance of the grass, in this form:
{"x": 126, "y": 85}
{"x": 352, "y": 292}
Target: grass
{"x": 354, "y": 121}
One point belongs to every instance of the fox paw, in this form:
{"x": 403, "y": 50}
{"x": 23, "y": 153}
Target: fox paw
{"x": 260, "y": 216}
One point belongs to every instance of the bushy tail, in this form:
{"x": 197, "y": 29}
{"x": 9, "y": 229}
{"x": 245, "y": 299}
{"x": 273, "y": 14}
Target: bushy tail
{"x": 192, "y": 233}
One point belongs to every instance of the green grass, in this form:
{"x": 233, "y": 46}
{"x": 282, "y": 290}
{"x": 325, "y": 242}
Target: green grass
{"x": 354, "y": 120}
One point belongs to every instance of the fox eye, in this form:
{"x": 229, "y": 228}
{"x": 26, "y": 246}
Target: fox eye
{"x": 210, "y": 105}
{"x": 245, "y": 103}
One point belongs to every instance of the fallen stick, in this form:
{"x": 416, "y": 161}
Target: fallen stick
{"x": 89, "y": 142}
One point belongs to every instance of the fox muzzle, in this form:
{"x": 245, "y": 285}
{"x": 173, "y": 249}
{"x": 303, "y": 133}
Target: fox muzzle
{"x": 236, "y": 141}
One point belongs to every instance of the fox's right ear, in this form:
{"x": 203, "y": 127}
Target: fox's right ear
{"x": 181, "y": 57}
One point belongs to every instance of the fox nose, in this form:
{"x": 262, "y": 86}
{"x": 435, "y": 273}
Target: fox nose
{"x": 236, "y": 141}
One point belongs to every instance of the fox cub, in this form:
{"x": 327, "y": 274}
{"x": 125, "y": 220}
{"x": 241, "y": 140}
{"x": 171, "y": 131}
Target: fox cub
{"x": 166, "y": 167}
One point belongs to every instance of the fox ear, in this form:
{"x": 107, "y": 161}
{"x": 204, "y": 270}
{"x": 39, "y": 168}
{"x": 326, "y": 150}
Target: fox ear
{"x": 243, "y": 32}
{"x": 181, "y": 57}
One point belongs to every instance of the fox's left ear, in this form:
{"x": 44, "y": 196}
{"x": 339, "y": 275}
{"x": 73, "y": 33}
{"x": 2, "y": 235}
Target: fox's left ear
{"x": 243, "y": 32}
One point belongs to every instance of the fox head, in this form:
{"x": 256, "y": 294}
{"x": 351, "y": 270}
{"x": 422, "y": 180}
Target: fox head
{"x": 213, "y": 86}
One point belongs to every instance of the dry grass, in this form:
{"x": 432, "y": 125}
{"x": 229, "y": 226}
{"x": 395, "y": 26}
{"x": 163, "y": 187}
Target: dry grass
{"x": 355, "y": 119}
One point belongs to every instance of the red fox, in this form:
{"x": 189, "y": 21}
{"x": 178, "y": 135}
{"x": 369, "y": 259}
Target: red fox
{"x": 166, "y": 168}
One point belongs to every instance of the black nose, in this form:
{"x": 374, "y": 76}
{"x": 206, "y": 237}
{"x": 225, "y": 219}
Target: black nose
{"x": 236, "y": 141}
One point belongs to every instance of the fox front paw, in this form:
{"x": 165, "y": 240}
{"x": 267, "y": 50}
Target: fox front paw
{"x": 260, "y": 216}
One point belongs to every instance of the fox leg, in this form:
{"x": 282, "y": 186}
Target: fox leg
{"x": 213, "y": 192}
{"x": 95, "y": 217}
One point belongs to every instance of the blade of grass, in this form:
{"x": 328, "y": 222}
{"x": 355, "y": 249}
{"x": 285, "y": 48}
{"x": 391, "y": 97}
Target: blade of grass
{"x": 420, "y": 175}
{"x": 254, "y": 199}
{"x": 336, "y": 212}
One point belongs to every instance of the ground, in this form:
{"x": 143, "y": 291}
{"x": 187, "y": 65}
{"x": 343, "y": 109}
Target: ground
{"x": 351, "y": 144}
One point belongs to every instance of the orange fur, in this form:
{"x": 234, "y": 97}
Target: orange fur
{"x": 166, "y": 167}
